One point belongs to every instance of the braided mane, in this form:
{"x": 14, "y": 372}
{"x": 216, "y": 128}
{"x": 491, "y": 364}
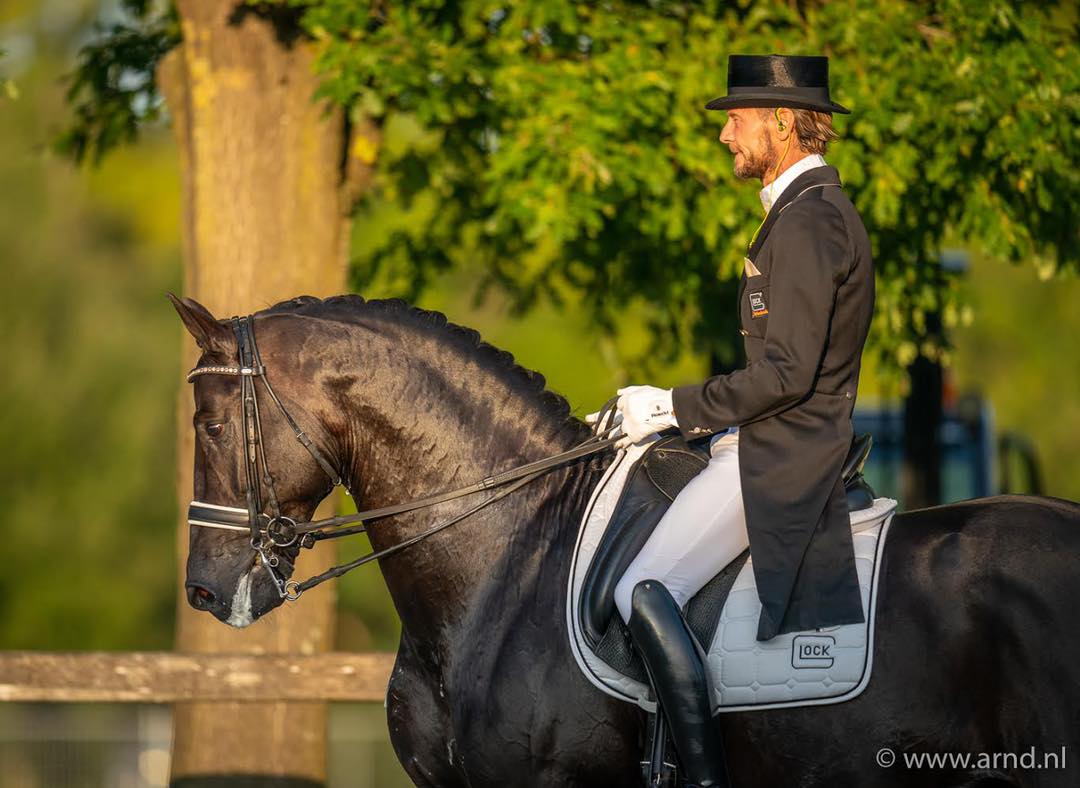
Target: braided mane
{"x": 352, "y": 308}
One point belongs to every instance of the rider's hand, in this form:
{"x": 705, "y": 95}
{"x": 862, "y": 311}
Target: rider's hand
{"x": 645, "y": 410}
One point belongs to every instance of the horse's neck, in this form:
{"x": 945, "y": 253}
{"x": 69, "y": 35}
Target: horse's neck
{"x": 429, "y": 419}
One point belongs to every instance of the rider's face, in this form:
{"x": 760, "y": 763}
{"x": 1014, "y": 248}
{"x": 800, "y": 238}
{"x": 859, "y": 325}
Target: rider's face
{"x": 749, "y": 137}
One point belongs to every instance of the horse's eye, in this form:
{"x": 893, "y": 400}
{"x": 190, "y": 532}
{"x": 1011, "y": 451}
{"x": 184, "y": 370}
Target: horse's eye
{"x": 214, "y": 429}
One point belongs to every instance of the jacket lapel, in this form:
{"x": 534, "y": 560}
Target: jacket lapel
{"x": 819, "y": 176}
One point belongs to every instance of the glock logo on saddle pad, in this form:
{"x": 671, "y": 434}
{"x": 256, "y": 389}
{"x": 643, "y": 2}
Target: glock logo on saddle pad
{"x": 812, "y": 651}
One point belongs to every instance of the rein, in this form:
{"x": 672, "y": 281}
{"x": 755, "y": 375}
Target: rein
{"x": 276, "y": 531}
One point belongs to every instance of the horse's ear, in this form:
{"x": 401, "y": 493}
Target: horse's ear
{"x": 209, "y": 333}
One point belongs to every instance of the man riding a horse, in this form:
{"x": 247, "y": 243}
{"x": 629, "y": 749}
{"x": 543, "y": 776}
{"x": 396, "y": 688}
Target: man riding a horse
{"x": 781, "y": 426}
{"x": 475, "y": 523}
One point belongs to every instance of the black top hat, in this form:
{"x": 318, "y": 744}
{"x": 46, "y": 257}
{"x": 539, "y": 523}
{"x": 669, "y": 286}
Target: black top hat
{"x": 796, "y": 81}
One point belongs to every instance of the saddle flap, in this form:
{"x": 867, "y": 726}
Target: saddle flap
{"x": 659, "y": 475}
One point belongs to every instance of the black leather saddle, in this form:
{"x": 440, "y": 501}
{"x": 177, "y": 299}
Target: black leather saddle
{"x": 651, "y": 485}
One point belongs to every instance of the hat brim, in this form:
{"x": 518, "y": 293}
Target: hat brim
{"x": 774, "y": 99}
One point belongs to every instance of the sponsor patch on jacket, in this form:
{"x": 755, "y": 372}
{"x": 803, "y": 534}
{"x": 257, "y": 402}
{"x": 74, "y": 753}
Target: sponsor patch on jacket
{"x": 758, "y": 307}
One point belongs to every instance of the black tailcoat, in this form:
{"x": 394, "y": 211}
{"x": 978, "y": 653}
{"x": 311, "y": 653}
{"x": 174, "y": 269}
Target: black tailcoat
{"x": 804, "y": 321}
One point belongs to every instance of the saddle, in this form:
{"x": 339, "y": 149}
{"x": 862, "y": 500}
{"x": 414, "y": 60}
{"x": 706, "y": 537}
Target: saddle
{"x": 663, "y": 470}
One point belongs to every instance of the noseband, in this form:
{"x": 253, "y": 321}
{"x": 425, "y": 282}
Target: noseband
{"x": 275, "y": 531}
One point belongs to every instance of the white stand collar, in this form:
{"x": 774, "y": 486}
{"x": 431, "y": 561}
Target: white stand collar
{"x": 769, "y": 194}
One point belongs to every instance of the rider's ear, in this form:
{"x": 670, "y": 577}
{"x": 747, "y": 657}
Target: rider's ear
{"x": 210, "y": 335}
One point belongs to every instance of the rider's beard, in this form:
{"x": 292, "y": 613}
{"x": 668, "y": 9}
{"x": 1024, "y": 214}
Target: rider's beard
{"x": 755, "y": 164}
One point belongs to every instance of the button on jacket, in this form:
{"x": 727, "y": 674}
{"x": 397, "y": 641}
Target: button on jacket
{"x": 804, "y": 320}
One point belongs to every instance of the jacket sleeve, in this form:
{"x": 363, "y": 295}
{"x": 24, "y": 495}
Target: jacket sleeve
{"x": 811, "y": 257}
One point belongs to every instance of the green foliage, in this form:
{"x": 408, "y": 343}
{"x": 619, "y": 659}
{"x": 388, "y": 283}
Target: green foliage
{"x": 112, "y": 90}
{"x": 559, "y": 148}
{"x": 8, "y": 89}
{"x": 562, "y": 146}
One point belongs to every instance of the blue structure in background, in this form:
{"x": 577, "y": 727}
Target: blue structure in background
{"x": 975, "y": 461}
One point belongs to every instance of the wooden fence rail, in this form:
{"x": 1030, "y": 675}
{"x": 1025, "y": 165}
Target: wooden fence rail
{"x": 174, "y": 677}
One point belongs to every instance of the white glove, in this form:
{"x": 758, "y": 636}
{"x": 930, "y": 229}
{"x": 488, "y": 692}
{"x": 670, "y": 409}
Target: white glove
{"x": 645, "y": 410}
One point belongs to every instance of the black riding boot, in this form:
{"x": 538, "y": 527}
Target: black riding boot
{"x": 675, "y": 662}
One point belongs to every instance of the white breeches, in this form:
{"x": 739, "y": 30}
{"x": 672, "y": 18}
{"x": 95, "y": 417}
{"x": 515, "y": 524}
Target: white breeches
{"x": 702, "y": 531}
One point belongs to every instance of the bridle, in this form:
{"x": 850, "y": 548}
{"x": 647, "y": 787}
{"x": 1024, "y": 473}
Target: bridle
{"x": 275, "y": 531}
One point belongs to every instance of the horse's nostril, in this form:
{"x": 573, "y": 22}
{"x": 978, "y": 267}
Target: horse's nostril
{"x": 200, "y": 597}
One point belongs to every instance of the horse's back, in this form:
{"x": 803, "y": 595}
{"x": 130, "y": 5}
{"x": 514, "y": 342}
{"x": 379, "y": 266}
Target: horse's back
{"x": 980, "y": 612}
{"x": 995, "y": 511}
{"x": 977, "y": 639}
{"x": 998, "y": 557}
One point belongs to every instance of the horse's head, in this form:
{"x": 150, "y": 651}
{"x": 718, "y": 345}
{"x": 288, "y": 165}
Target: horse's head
{"x": 247, "y": 456}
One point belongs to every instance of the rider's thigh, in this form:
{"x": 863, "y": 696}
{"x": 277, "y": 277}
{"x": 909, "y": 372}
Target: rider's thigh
{"x": 702, "y": 531}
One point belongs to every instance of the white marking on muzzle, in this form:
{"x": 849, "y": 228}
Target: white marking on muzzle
{"x": 240, "y": 614}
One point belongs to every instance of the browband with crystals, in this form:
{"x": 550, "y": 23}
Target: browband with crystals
{"x": 251, "y": 371}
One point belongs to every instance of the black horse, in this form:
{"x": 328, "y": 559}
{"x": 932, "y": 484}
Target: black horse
{"x": 978, "y": 634}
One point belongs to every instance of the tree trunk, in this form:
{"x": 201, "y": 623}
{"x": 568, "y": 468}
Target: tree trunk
{"x": 923, "y": 414}
{"x": 267, "y": 189}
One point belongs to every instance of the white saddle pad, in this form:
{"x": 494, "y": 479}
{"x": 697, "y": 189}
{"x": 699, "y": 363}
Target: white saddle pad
{"x": 797, "y": 669}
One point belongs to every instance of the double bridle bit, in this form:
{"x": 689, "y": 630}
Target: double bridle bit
{"x": 275, "y": 531}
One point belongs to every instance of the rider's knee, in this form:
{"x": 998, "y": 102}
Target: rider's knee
{"x": 650, "y": 596}
{"x": 624, "y": 589}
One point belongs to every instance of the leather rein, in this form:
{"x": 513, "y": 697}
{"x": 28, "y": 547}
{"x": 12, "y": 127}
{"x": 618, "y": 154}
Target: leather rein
{"x": 271, "y": 532}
